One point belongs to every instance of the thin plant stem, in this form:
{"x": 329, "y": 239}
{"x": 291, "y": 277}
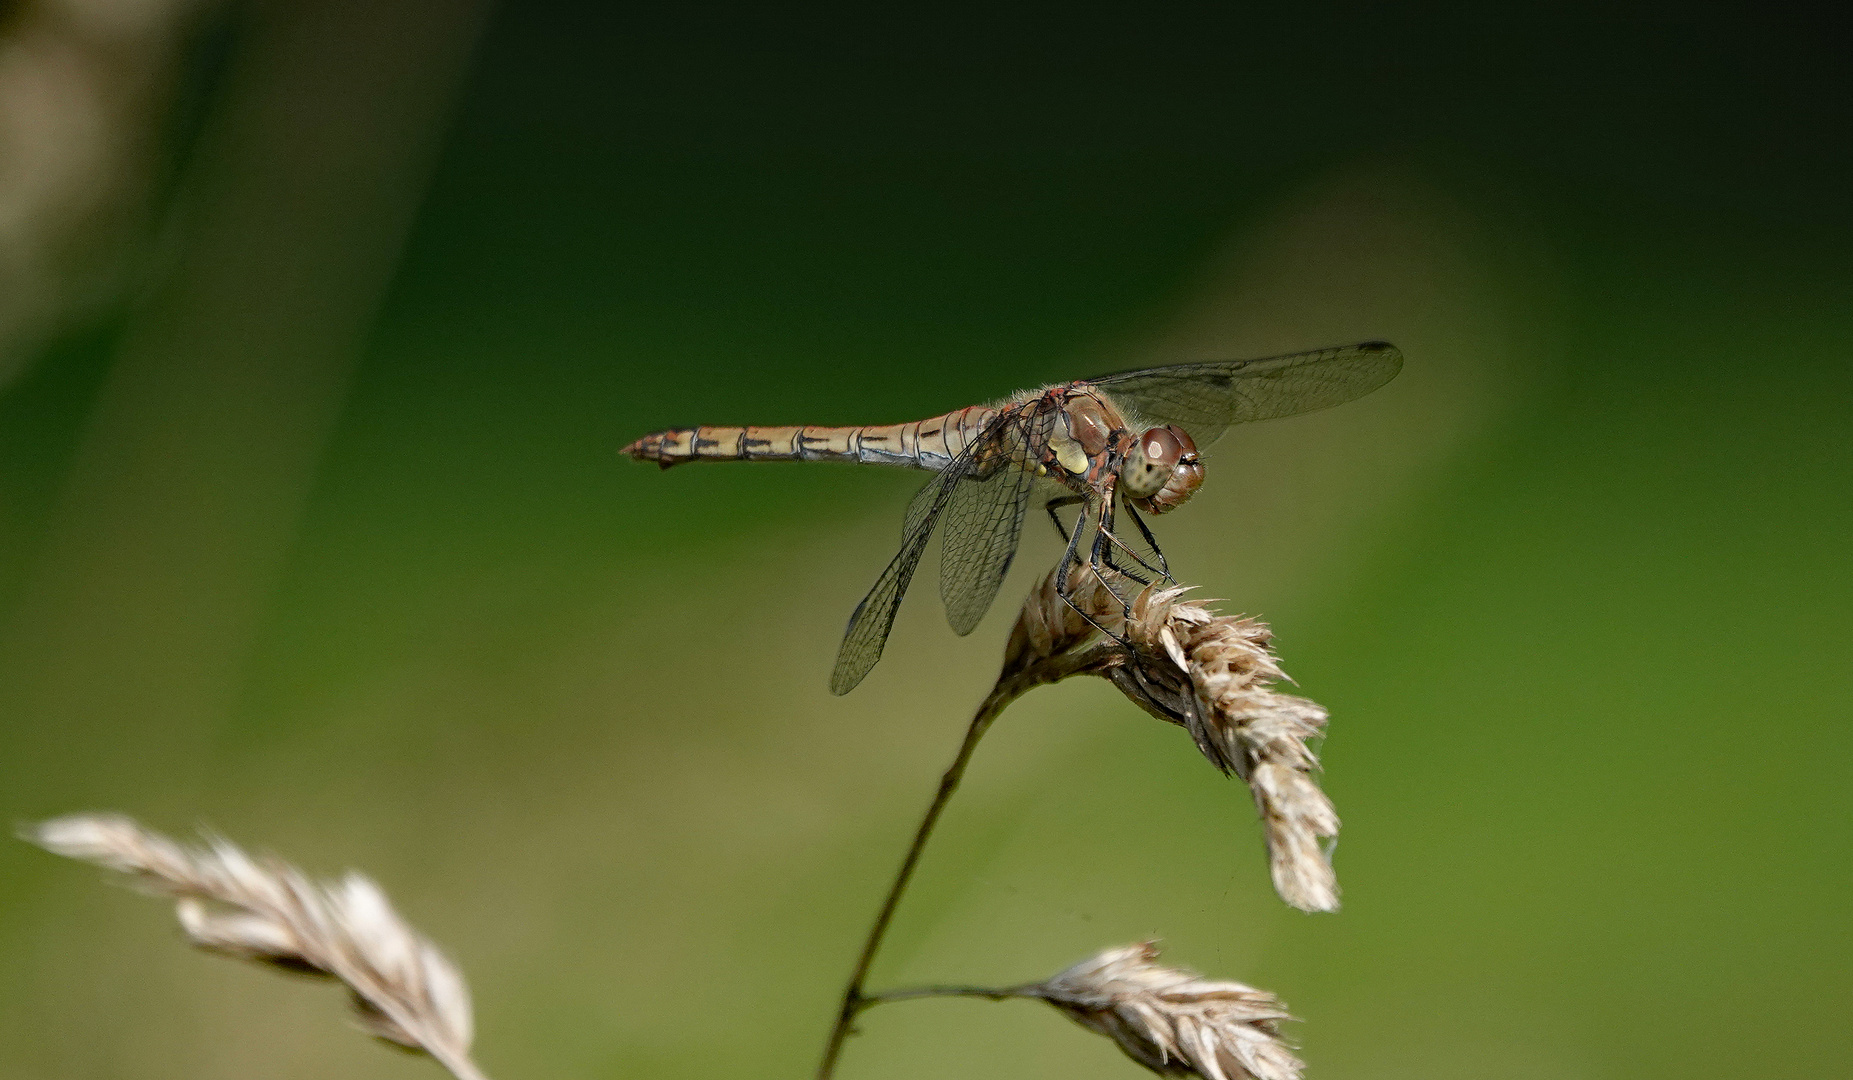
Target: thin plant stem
{"x": 1010, "y": 686}
{"x": 993, "y": 993}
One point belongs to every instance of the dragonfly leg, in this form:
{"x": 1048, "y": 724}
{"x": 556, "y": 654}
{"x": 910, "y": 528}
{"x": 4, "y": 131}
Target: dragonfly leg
{"x": 1151, "y": 541}
{"x": 1125, "y": 605}
{"x": 1103, "y": 554}
{"x": 1068, "y": 560}
{"x": 1061, "y": 577}
{"x": 1136, "y": 557}
{"x": 1105, "y": 542}
{"x": 1107, "y": 561}
{"x": 1068, "y": 599}
{"x": 1066, "y": 500}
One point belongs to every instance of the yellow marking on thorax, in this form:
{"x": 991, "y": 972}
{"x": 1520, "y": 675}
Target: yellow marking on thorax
{"x": 1068, "y": 452}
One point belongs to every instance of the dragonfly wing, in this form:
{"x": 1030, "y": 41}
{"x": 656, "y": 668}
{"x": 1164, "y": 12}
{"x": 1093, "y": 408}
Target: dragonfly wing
{"x": 1206, "y": 399}
{"x": 984, "y": 514}
{"x": 873, "y": 618}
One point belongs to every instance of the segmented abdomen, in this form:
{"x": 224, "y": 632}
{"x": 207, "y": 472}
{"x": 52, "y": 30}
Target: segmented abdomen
{"x": 921, "y": 444}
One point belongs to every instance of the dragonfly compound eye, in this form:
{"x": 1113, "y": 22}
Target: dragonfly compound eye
{"x": 1182, "y": 479}
{"x": 1151, "y": 461}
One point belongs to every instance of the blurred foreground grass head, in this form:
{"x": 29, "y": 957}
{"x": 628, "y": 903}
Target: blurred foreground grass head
{"x": 312, "y": 523}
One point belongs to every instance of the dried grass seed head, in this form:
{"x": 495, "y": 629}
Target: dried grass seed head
{"x": 1214, "y": 675}
{"x": 1175, "y": 1022}
{"x": 403, "y": 987}
{"x": 1221, "y": 672}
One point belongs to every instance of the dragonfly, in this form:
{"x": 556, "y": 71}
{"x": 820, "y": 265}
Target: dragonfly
{"x": 1130, "y": 441}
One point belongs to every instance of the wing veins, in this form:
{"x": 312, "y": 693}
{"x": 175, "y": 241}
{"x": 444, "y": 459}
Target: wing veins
{"x": 873, "y": 620}
{"x": 1205, "y": 399}
{"x": 981, "y": 543}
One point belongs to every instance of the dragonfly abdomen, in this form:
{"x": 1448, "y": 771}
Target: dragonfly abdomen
{"x": 920, "y": 444}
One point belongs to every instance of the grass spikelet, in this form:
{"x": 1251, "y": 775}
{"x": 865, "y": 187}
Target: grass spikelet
{"x": 1172, "y": 1021}
{"x": 1214, "y": 675}
{"x": 404, "y": 989}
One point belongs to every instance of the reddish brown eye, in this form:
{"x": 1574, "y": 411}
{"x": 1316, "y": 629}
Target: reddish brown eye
{"x": 1163, "y": 470}
{"x": 1162, "y": 446}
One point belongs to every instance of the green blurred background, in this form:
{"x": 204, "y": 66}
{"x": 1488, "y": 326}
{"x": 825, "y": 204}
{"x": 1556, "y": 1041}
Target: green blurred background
{"x": 317, "y": 532}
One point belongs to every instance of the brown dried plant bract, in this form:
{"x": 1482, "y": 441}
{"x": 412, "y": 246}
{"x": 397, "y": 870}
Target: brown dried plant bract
{"x": 1175, "y": 1022}
{"x": 1213, "y": 675}
{"x": 1048, "y": 625}
{"x": 403, "y": 988}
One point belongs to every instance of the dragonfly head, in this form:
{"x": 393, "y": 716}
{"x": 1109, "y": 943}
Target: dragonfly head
{"x": 1161, "y": 470}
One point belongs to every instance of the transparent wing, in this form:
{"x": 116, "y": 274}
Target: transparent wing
{"x": 989, "y": 469}
{"x": 984, "y": 515}
{"x": 1206, "y": 399}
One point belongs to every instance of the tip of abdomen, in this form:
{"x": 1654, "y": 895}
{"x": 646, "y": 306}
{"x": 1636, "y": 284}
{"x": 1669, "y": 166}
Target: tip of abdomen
{"x": 666, "y": 448}
{"x": 648, "y": 448}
